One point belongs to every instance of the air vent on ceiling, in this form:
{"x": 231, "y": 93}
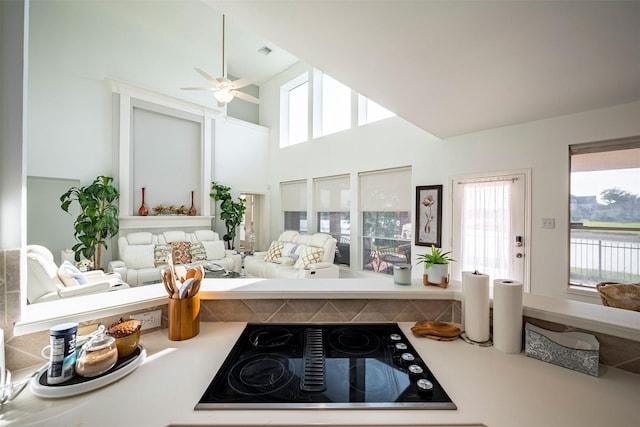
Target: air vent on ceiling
{"x": 265, "y": 50}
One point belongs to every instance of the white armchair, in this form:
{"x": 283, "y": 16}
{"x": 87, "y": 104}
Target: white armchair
{"x": 44, "y": 282}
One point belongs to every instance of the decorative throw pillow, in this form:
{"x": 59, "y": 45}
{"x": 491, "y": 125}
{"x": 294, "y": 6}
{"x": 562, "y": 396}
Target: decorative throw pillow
{"x": 275, "y": 251}
{"x": 291, "y": 250}
{"x": 307, "y": 257}
{"x": 198, "y": 252}
{"x": 160, "y": 254}
{"x": 181, "y": 254}
{"x": 71, "y": 275}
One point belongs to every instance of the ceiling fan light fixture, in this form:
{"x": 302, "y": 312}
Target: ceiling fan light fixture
{"x": 223, "y": 96}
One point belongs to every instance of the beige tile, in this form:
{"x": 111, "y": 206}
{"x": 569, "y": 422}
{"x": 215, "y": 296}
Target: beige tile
{"x": 328, "y": 313}
{"x": 265, "y": 308}
{"x": 631, "y": 366}
{"x": 349, "y": 308}
{"x": 386, "y": 309}
{"x": 615, "y": 351}
{"x": 434, "y": 309}
{"x": 231, "y": 310}
{"x": 307, "y": 307}
{"x": 289, "y": 314}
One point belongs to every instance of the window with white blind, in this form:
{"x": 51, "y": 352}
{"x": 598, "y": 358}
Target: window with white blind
{"x": 332, "y": 203}
{"x": 605, "y": 212}
{"x": 385, "y": 203}
{"x": 489, "y": 226}
{"x": 294, "y": 205}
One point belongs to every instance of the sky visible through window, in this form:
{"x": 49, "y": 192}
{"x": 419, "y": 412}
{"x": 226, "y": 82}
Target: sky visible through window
{"x": 592, "y": 183}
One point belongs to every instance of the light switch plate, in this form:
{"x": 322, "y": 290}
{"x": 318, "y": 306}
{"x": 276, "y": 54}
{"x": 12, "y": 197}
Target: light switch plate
{"x": 548, "y": 223}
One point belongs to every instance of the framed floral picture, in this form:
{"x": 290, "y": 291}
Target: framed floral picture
{"x": 429, "y": 215}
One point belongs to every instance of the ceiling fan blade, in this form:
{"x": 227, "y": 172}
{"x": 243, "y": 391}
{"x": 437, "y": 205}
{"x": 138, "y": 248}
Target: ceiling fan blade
{"x": 245, "y": 96}
{"x": 211, "y": 88}
{"x": 237, "y": 84}
{"x": 207, "y": 76}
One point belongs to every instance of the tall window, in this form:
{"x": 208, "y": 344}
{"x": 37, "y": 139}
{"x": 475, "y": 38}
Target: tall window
{"x": 489, "y": 226}
{"x": 385, "y": 202}
{"x": 294, "y": 111}
{"x": 369, "y": 111}
{"x": 332, "y": 198}
{"x": 334, "y": 105}
{"x": 605, "y": 212}
{"x": 294, "y": 205}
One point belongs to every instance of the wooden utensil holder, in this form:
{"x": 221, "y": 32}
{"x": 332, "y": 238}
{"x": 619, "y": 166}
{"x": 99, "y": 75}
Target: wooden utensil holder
{"x": 184, "y": 318}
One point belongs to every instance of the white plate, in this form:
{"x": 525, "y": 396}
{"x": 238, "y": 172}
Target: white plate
{"x": 71, "y": 388}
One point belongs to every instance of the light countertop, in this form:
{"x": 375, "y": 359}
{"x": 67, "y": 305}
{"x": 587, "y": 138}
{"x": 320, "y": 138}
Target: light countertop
{"x": 489, "y": 387}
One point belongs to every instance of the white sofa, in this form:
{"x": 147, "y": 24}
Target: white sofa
{"x": 48, "y": 282}
{"x": 142, "y": 255}
{"x": 295, "y": 256}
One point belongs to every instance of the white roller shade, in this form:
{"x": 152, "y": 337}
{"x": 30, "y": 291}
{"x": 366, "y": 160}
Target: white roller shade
{"x": 294, "y": 196}
{"x": 386, "y": 191}
{"x": 332, "y": 194}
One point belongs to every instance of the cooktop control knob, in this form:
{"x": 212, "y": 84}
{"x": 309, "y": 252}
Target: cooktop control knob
{"x": 395, "y": 337}
{"x": 424, "y": 385}
{"x": 407, "y": 359}
{"x": 415, "y": 371}
{"x": 400, "y": 347}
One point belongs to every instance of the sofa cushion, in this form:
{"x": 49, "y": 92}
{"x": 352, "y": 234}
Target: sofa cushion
{"x": 275, "y": 251}
{"x": 308, "y": 256}
{"x": 206, "y": 235}
{"x": 214, "y": 249}
{"x": 160, "y": 254}
{"x": 138, "y": 256}
{"x": 175, "y": 236}
{"x": 140, "y": 238}
{"x": 180, "y": 252}
{"x": 198, "y": 252}
{"x": 285, "y": 260}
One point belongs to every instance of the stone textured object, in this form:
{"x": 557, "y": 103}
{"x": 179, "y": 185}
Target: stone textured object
{"x": 620, "y": 295}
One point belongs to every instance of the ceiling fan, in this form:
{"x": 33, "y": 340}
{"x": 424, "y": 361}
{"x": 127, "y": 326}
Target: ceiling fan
{"x": 225, "y": 90}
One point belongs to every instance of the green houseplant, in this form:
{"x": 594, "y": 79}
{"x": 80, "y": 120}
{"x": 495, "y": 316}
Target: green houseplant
{"x": 231, "y": 212}
{"x": 98, "y": 218}
{"x": 436, "y": 267}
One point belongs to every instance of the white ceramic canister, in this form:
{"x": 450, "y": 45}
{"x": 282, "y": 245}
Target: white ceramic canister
{"x": 402, "y": 274}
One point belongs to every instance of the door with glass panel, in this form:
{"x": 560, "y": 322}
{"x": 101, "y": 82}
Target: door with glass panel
{"x": 490, "y": 226}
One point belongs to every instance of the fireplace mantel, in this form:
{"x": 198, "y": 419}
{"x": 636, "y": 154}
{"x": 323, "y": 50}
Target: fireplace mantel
{"x": 157, "y": 223}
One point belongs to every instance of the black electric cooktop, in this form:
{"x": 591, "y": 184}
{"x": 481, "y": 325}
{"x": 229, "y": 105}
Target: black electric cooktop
{"x": 353, "y": 365}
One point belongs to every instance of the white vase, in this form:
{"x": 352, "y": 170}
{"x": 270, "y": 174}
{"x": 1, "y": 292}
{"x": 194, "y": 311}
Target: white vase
{"x": 437, "y": 274}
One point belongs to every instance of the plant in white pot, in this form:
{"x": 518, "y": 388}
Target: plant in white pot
{"x": 436, "y": 267}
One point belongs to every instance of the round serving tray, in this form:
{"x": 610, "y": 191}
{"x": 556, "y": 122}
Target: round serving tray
{"x": 79, "y": 385}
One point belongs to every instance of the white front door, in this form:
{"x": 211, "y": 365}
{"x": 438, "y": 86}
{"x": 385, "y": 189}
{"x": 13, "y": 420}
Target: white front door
{"x": 489, "y": 232}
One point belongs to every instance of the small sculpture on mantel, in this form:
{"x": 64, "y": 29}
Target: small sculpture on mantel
{"x": 192, "y": 210}
{"x": 143, "y": 211}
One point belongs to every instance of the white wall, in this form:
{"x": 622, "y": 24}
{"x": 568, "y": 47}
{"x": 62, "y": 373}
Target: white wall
{"x": 541, "y": 146}
{"x": 75, "y": 45}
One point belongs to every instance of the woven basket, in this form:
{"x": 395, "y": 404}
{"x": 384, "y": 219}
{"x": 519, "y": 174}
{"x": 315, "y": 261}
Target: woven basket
{"x": 620, "y": 295}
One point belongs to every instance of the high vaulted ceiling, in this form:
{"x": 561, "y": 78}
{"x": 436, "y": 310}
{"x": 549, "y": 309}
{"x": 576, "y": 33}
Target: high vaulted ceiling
{"x": 454, "y": 67}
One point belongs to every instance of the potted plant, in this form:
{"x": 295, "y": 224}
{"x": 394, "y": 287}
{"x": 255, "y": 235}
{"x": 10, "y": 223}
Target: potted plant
{"x": 98, "y": 218}
{"x": 436, "y": 267}
{"x": 230, "y": 212}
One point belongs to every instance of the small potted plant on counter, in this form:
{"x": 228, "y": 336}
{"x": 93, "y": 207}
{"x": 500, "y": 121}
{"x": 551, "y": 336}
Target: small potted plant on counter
{"x": 436, "y": 267}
